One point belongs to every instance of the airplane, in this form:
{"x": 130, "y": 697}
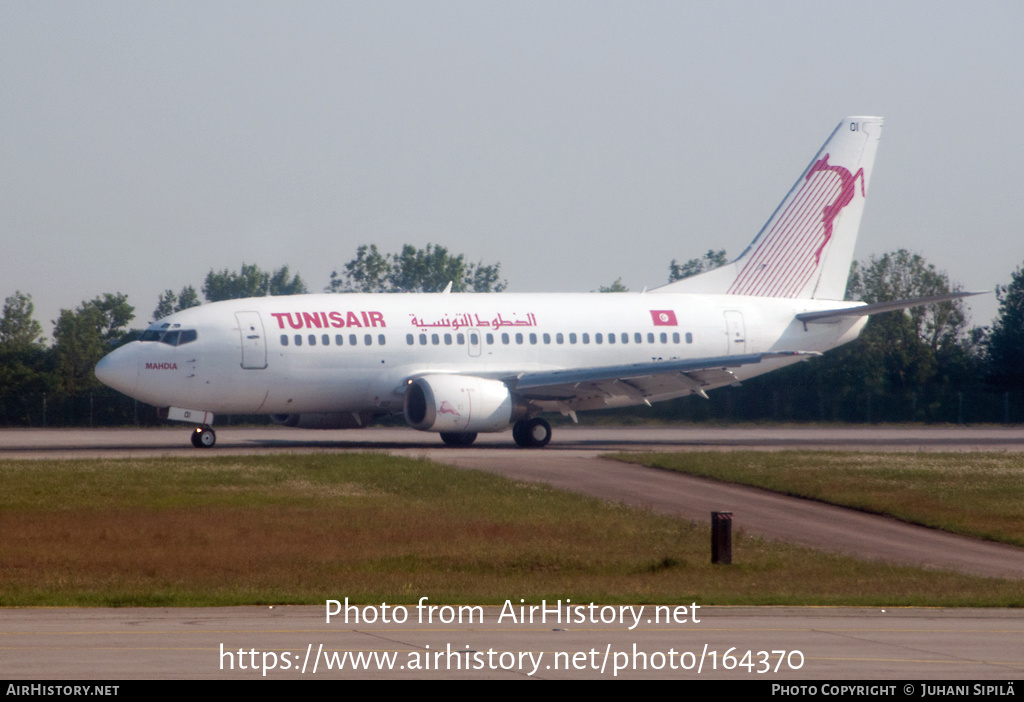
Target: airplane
{"x": 460, "y": 364}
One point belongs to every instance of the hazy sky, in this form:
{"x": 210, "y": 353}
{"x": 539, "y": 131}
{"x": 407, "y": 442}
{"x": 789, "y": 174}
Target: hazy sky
{"x": 143, "y": 144}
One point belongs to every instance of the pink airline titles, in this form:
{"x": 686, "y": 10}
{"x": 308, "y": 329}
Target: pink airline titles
{"x": 326, "y": 320}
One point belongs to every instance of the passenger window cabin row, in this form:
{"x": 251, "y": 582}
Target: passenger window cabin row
{"x": 559, "y": 338}
{"x": 491, "y": 339}
{"x": 339, "y": 340}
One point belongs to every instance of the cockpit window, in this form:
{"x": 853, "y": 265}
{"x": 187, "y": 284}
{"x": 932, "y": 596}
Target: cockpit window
{"x": 174, "y": 337}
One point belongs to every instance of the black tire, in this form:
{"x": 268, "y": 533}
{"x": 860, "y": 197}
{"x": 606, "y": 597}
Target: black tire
{"x": 532, "y": 433}
{"x": 539, "y": 432}
{"x": 455, "y": 439}
{"x": 204, "y": 437}
{"x": 519, "y": 435}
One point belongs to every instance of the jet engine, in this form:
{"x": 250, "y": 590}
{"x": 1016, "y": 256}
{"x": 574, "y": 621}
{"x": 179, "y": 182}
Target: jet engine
{"x": 459, "y": 404}
{"x": 321, "y": 420}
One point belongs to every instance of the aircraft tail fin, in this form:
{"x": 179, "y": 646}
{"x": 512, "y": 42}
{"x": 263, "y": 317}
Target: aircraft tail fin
{"x": 805, "y": 249}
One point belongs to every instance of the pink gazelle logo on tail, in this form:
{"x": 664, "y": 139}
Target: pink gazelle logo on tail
{"x": 786, "y": 257}
{"x": 847, "y": 191}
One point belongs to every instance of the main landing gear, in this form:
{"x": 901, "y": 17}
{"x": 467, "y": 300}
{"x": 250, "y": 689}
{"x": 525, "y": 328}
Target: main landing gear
{"x": 528, "y": 433}
{"x": 532, "y": 433}
{"x": 203, "y": 437}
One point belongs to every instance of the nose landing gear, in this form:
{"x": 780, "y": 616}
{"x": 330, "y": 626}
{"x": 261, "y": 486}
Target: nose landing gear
{"x": 203, "y": 437}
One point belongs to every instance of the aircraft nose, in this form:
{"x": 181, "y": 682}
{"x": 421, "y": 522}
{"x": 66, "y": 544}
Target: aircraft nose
{"x": 119, "y": 369}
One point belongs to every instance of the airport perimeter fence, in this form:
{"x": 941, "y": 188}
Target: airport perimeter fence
{"x": 99, "y": 408}
{"x": 749, "y": 403}
{"x": 746, "y": 403}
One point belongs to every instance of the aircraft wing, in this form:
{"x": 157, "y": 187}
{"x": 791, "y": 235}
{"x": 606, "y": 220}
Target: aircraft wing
{"x": 636, "y": 381}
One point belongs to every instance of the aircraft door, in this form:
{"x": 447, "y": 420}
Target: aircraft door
{"x": 254, "y": 347}
{"x": 735, "y": 332}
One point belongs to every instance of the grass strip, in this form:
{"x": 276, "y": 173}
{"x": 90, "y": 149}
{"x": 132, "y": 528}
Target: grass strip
{"x": 974, "y": 494}
{"x": 375, "y": 528}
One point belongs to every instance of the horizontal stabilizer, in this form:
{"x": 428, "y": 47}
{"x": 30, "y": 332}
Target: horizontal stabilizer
{"x": 831, "y": 316}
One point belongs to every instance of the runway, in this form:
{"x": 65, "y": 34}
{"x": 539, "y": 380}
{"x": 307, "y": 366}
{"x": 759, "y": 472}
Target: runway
{"x": 90, "y": 443}
{"x": 836, "y": 643}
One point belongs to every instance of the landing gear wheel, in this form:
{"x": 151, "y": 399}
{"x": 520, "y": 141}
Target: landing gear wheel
{"x": 203, "y": 437}
{"x": 532, "y": 433}
{"x": 453, "y": 439}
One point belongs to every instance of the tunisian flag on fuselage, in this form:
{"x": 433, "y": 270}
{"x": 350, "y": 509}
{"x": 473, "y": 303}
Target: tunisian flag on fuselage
{"x": 664, "y": 318}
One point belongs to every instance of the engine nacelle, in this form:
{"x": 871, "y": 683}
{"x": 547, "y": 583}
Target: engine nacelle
{"x": 321, "y": 420}
{"x": 460, "y": 404}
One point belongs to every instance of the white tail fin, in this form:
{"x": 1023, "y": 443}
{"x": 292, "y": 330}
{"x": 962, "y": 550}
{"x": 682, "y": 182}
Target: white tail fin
{"x": 806, "y": 247}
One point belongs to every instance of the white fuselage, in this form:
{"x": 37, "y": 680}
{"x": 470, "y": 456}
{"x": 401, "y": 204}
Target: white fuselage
{"x": 355, "y": 352}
